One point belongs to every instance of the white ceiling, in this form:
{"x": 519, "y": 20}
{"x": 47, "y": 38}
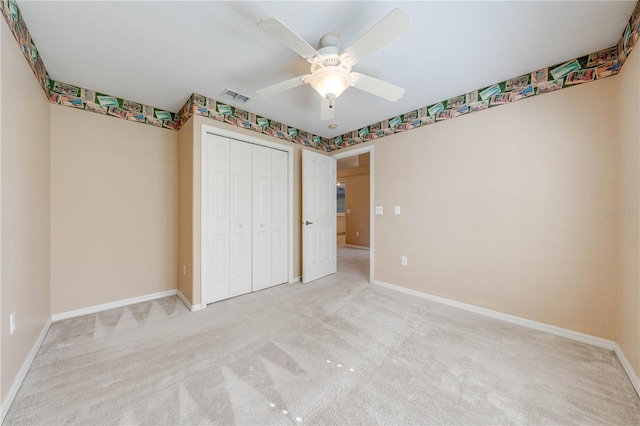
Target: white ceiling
{"x": 158, "y": 53}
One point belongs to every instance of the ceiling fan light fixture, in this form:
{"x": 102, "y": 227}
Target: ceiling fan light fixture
{"x": 330, "y": 81}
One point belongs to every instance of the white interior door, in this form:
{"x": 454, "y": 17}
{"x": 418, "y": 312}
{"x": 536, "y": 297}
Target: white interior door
{"x": 240, "y": 194}
{"x": 279, "y": 217}
{"x": 261, "y": 217}
{"x": 318, "y": 216}
{"x": 215, "y": 238}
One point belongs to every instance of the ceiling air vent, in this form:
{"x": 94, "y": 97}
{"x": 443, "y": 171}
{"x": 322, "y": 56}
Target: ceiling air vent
{"x": 232, "y": 94}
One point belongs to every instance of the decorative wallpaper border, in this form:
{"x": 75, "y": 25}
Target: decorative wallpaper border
{"x": 101, "y": 103}
{"x": 207, "y": 107}
{"x": 594, "y": 66}
{"x": 28, "y": 48}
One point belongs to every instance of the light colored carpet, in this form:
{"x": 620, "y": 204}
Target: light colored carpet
{"x": 336, "y": 351}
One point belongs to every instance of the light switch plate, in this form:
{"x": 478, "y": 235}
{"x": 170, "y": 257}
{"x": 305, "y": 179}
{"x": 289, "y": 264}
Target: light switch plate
{"x": 378, "y": 209}
{"x": 397, "y": 209}
{"x": 12, "y": 323}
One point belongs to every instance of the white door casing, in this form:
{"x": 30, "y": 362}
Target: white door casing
{"x": 318, "y": 216}
{"x": 357, "y": 151}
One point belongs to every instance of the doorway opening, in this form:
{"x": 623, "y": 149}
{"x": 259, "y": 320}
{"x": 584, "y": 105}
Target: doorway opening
{"x": 354, "y": 213}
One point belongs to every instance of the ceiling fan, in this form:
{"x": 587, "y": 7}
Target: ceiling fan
{"x": 331, "y": 66}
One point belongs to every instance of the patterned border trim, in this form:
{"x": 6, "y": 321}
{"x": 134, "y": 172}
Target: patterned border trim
{"x": 22, "y": 35}
{"x": 207, "y": 107}
{"x": 594, "y": 66}
{"x": 100, "y": 103}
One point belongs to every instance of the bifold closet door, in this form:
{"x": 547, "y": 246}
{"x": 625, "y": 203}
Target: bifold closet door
{"x": 215, "y": 238}
{"x": 262, "y": 238}
{"x": 279, "y": 217}
{"x": 245, "y": 218}
{"x": 240, "y": 193}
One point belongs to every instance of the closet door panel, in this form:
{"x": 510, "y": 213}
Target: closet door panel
{"x": 261, "y": 217}
{"x": 279, "y": 217}
{"x": 216, "y": 207}
{"x": 240, "y": 193}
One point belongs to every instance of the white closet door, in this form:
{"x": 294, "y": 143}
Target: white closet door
{"x": 215, "y": 238}
{"x": 261, "y": 217}
{"x": 279, "y": 219}
{"x": 240, "y": 217}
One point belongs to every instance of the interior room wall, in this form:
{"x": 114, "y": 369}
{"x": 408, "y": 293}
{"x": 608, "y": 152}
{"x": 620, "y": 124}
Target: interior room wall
{"x": 357, "y": 201}
{"x": 190, "y": 159}
{"x": 505, "y": 209}
{"x": 185, "y": 210}
{"x": 25, "y": 209}
{"x": 625, "y": 214}
{"x": 114, "y": 213}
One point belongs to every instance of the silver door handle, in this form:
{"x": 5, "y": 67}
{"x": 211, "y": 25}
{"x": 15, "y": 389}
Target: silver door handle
{"x": 308, "y": 223}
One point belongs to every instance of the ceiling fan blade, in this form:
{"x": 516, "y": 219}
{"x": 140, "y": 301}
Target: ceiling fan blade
{"x": 380, "y": 88}
{"x": 390, "y": 27}
{"x": 282, "y": 86}
{"x": 327, "y": 109}
{"x": 284, "y": 34}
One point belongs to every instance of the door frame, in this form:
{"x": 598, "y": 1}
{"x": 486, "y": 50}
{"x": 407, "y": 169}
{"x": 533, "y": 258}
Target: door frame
{"x": 206, "y": 129}
{"x": 358, "y": 151}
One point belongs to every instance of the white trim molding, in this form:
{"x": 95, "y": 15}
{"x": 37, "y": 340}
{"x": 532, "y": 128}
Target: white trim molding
{"x": 633, "y": 376}
{"x": 112, "y": 305}
{"x": 183, "y": 299}
{"x": 24, "y": 369}
{"x": 551, "y": 329}
{"x": 357, "y": 151}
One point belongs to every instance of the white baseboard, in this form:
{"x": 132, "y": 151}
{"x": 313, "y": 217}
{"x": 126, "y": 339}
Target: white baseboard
{"x": 192, "y": 308}
{"x": 111, "y": 305}
{"x": 357, "y": 247}
{"x": 22, "y": 373}
{"x": 295, "y": 280}
{"x": 633, "y": 376}
{"x": 551, "y": 329}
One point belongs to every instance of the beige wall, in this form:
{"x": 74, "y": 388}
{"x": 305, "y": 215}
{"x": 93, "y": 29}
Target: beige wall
{"x": 114, "y": 209}
{"x": 504, "y": 209}
{"x": 628, "y": 230}
{"x": 357, "y": 202}
{"x": 190, "y": 187}
{"x": 185, "y": 210}
{"x": 25, "y": 211}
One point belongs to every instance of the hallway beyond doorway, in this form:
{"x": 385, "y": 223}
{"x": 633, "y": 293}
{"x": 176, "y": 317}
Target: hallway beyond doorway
{"x": 354, "y": 263}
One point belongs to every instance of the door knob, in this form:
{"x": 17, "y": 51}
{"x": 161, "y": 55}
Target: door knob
{"x": 308, "y": 223}
{"x": 262, "y": 224}
{"x": 240, "y": 226}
